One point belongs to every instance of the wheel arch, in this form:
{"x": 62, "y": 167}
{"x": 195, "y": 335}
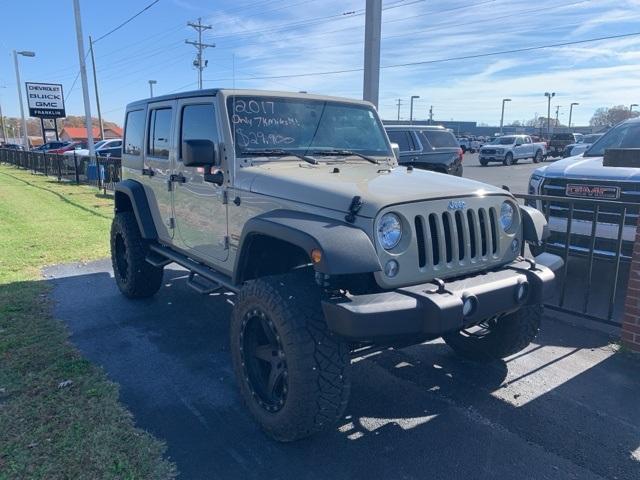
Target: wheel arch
{"x": 130, "y": 196}
{"x": 286, "y": 238}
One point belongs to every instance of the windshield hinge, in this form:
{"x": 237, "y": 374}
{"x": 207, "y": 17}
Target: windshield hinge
{"x": 354, "y": 208}
{"x": 172, "y": 223}
{"x": 226, "y": 242}
{"x": 225, "y": 197}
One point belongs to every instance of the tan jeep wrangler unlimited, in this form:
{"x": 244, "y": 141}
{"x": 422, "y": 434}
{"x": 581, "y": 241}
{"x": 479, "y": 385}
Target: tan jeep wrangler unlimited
{"x": 296, "y": 203}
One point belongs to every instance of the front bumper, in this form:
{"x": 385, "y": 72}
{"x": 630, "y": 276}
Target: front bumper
{"x": 429, "y": 311}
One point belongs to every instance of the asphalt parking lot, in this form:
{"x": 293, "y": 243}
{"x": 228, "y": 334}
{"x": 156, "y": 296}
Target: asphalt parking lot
{"x": 516, "y": 177}
{"x": 564, "y": 408}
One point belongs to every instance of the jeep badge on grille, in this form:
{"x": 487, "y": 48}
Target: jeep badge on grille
{"x": 457, "y": 205}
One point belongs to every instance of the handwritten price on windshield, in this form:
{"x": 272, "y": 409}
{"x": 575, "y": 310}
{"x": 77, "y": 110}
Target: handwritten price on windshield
{"x": 245, "y": 139}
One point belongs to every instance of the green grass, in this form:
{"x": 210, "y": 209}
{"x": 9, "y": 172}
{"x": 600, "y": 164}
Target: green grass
{"x": 46, "y": 430}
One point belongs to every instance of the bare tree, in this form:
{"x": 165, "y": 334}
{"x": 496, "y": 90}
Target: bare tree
{"x": 607, "y": 117}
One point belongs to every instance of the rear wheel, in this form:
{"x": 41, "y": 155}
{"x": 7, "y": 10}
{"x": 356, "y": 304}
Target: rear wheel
{"x": 537, "y": 158}
{"x": 497, "y": 337}
{"x": 135, "y": 277}
{"x": 483, "y": 162}
{"x": 508, "y": 159}
{"x": 292, "y": 372}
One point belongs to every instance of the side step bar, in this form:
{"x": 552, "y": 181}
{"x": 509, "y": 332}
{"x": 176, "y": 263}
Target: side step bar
{"x": 194, "y": 267}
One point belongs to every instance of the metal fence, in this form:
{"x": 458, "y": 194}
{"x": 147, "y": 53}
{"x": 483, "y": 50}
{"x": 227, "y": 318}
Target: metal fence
{"x": 103, "y": 172}
{"x": 596, "y": 240}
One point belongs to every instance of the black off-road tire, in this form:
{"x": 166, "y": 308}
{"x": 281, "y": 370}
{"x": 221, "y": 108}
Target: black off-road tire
{"x": 317, "y": 362}
{"x": 135, "y": 277}
{"x": 507, "y": 335}
{"x": 508, "y": 159}
{"x": 484, "y": 162}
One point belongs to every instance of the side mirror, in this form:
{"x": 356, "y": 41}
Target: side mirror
{"x": 198, "y": 153}
{"x": 396, "y": 150}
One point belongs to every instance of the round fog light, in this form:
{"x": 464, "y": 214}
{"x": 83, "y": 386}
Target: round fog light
{"x": 468, "y": 306}
{"x": 391, "y": 268}
{"x": 521, "y": 291}
{"x": 515, "y": 245}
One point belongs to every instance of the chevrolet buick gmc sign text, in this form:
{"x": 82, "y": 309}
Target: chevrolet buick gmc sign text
{"x": 45, "y": 100}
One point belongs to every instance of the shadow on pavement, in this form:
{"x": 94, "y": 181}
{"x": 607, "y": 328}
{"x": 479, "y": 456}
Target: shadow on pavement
{"x": 564, "y": 408}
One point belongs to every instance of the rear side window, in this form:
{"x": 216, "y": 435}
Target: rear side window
{"x": 403, "y": 139}
{"x": 439, "y": 138}
{"x": 134, "y": 132}
{"x": 198, "y": 123}
{"x": 159, "y": 132}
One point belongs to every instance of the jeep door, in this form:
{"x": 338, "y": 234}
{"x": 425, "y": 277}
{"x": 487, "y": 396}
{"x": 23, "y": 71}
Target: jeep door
{"x": 199, "y": 206}
{"x": 158, "y": 164}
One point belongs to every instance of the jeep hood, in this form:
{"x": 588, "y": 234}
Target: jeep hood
{"x": 587, "y": 168}
{"x": 377, "y": 186}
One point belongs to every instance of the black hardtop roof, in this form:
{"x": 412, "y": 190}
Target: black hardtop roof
{"x": 208, "y": 92}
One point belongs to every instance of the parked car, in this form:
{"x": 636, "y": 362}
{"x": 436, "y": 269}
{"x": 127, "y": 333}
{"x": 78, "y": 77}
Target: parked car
{"x": 13, "y": 146}
{"x": 559, "y": 141}
{"x": 111, "y": 148}
{"x": 586, "y": 177}
{"x": 295, "y": 202}
{"x": 511, "y": 148}
{"x": 69, "y": 147}
{"x": 47, "y": 147}
{"x": 427, "y": 147}
{"x": 468, "y": 144}
{"x": 578, "y": 148}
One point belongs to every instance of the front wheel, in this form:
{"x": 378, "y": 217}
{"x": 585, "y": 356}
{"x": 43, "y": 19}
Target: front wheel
{"x": 292, "y": 372}
{"x": 497, "y": 337}
{"x": 135, "y": 277}
{"x": 484, "y": 162}
{"x": 508, "y": 160}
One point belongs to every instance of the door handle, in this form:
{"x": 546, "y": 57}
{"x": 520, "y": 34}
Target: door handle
{"x": 148, "y": 171}
{"x": 177, "y": 178}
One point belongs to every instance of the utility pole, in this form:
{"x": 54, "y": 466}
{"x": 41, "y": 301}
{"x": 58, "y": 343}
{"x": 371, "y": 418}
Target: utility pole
{"x": 83, "y": 75}
{"x": 413, "y": 97}
{"x": 399, "y": 104}
{"x": 431, "y": 115}
{"x": 557, "y": 115}
{"x": 198, "y": 63}
{"x": 151, "y": 84}
{"x": 95, "y": 84}
{"x": 372, "y": 33}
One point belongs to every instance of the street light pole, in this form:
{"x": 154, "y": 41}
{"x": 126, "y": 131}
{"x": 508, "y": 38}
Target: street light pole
{"x": 504, "y": 100}
{"x": 549, "y": 97}
{"x": 372, "y": 33}
{"x": 571, "y": 111}
{"x": 413, "y": 97}
{"x": 24, "y": 53}
{"x": 151, "y": 84}
{"x": 95, "y": 84}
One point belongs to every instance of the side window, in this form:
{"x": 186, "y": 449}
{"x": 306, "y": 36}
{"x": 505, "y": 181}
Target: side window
{"x": 198, "y": 123}
{"x": 134, "y": 132}
{"x": 527, "y": 140}
{"x": 159, "y": 133}
{"x": 116, "y": 144}
{"x": 402, "y": 138}
{"x": 438, "y": 138}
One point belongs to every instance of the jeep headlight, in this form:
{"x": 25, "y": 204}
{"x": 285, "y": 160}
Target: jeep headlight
{"x": 507, "y": 212}
{"x": 389, "y": 230}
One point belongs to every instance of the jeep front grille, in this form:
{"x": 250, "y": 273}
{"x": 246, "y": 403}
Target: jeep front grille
{"x": 459, "y": 237}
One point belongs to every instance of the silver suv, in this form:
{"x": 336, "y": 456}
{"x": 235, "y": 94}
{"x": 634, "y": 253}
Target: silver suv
{"x": 296, "y": 204}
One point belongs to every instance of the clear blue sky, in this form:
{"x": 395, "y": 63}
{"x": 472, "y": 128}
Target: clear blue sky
{"x": 290, "y": 37}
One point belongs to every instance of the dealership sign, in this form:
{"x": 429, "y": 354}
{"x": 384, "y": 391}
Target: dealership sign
{"x": 45, "y": 100}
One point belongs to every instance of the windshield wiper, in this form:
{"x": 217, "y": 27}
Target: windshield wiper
{"x": 345, "y": 153}
{"x": 278, "y": 152}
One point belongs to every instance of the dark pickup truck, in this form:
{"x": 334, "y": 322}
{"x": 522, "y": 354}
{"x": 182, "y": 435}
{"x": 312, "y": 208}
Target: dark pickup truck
{"x": 427, "y": 147}
{"x": 559, "y": 142}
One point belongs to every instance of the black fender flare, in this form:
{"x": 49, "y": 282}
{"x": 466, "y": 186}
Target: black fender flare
{"x": 134, "y": 191}
{"x": 345, "y": 249}
{"x": 534, "y": 226}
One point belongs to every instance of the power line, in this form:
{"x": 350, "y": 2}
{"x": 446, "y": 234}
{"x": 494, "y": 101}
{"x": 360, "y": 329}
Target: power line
{"x": 450, "y": 59}
{"x": 126, "y": 21}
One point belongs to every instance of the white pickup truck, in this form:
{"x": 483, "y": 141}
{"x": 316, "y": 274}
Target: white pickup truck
{"x": 511, "y": 148}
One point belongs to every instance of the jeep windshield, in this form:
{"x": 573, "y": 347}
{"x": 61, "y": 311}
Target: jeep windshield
{"x": 625, "y": 135}
{"x": 305, "y": 127}
{"x": 504, "y": 141}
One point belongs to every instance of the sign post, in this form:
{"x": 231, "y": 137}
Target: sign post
{"x": 45, "y": 101}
